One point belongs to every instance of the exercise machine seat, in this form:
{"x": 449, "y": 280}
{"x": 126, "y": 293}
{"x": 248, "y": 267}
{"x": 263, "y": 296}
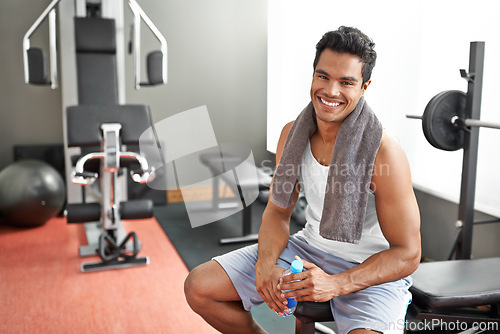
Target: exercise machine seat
{"x": 308, "y": 313}
{"x": 84, "y": 123}
{"x": 458, "y": 283}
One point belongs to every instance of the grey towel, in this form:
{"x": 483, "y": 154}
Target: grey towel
{"x": 349, "y": 174}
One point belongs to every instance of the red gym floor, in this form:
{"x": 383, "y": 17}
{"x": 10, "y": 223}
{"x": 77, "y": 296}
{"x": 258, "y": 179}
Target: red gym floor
{"x": 43, "y": 291}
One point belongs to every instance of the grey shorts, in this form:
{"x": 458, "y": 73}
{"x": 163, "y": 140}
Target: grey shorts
{"x": 381, "y": 307}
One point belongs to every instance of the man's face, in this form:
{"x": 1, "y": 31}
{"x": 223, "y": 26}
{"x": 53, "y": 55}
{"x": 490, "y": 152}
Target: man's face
{"x": 337, "y": 85}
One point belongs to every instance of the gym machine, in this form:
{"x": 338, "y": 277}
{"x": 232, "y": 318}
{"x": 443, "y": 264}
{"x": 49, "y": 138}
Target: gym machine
{"x": 451, "y": 290}
{"x": 105, "y": 131}
{"x": 447, "y": 290}
{"x": 451, "y": 122}
{"x": 112, "y": 127}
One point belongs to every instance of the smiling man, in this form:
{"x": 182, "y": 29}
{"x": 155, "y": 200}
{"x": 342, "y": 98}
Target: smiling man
{"x": 361, "y": 240}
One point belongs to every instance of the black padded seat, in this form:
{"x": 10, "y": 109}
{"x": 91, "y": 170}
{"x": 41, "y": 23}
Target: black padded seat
{"x": 84, "y": 123}
{"x": 459, "y": 283}
{"x": 308, "y": 312}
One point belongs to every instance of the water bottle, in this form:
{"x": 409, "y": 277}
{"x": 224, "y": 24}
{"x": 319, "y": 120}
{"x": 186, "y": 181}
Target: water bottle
{"x": 295, "y": 267}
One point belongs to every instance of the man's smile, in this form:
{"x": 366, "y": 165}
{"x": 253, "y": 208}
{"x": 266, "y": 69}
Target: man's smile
{"x": 330, "y": 104}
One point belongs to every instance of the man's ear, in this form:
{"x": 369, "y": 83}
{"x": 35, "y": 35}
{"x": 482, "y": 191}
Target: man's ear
{"x": 365, "y": 86}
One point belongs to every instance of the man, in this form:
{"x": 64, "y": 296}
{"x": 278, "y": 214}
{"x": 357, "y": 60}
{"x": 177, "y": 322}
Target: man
{"x": 366, "y": 280}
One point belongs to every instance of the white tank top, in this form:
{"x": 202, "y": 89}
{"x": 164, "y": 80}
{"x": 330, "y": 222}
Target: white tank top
{"x": 312, "y": 177}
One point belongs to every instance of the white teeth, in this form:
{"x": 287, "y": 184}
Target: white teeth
{"x": 332, "y": 104}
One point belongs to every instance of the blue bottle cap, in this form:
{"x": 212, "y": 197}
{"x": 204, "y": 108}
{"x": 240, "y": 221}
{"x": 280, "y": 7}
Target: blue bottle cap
{"x": 296, "y": 266}
{"x": 291, "y": 302}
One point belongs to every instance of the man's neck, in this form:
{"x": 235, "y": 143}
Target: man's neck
{"x": 327, "y": 131}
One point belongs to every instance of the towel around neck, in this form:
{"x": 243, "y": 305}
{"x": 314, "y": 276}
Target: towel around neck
{"x": 349, "y": 174}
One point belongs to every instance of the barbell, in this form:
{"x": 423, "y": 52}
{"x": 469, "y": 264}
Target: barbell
{"x": 444, "y": 121}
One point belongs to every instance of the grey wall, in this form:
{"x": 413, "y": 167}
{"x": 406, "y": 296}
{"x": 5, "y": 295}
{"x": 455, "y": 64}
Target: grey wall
{"x": 218, "y": 58}
{"x": 29, "y": 114}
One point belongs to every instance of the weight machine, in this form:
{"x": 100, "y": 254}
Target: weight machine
{"x": 106, "y": 131}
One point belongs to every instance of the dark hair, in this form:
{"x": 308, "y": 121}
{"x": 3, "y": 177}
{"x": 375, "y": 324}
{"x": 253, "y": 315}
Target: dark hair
{"x": 353, "y": 41}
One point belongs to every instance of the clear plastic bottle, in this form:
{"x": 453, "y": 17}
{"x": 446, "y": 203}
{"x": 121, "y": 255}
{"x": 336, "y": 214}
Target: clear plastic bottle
{"x": 295, "y": 267}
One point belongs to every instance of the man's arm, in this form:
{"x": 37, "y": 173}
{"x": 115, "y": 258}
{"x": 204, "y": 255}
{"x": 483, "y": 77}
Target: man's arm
{"x": 273, "y": 237}
{"x": 399, "y": 219}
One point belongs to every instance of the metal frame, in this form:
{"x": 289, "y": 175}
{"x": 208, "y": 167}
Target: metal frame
{"x": 50, "y": 11}
{"x": 471, "y": 141}
{"x": 462, "y": 246}
{"x": 218, "y": 203}
{"x": 110, "y": 221}
{"x": 138, "y": 15}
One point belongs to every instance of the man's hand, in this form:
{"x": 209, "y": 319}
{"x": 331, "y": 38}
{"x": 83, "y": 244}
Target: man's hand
{"x": 313, "y": 284}
{"x": 266, "y": 282}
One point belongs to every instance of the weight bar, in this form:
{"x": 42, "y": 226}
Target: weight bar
{"x": 444, "y": 122}
{"x": 478, "y": 123}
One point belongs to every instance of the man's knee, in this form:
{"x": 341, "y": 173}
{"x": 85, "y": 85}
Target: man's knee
{"x": 208, "y": 283}
{"x": 194, "y": 289}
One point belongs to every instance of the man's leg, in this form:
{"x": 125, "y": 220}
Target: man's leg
{"x": 211, "y": 294}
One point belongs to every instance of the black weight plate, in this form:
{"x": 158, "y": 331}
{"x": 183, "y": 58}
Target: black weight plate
{"x": 436, "y": 121}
